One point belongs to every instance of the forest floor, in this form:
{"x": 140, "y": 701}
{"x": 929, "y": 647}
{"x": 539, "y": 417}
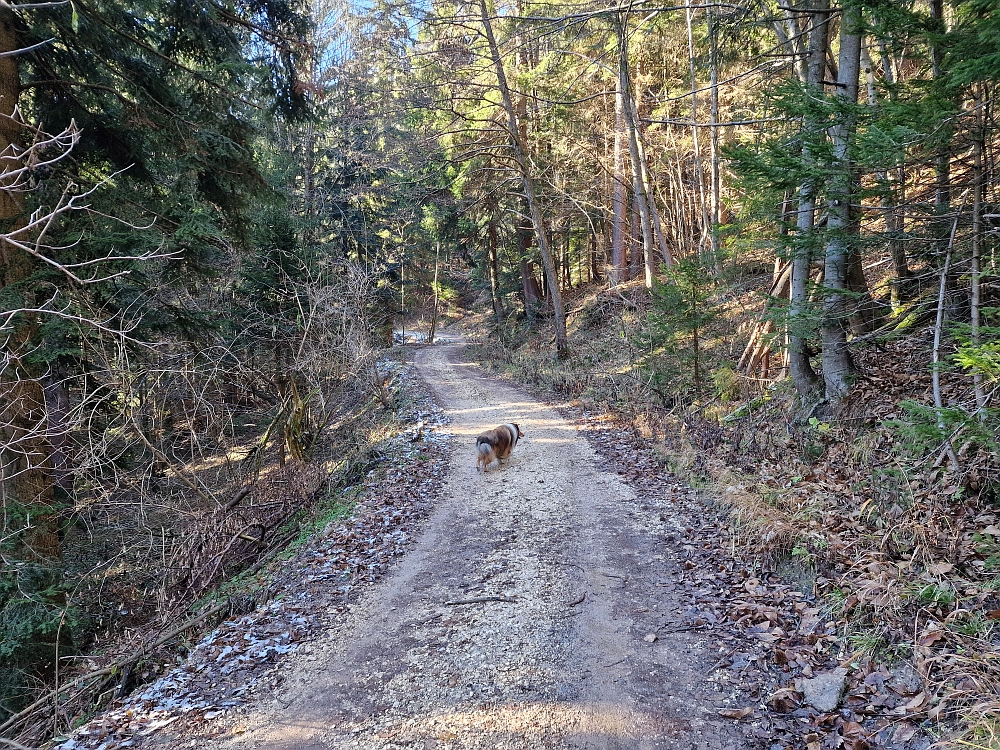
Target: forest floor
{"x": 552, "y": 603}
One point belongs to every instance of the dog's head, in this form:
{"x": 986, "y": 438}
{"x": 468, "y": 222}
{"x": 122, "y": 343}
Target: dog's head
{"x": 518, "y": 428}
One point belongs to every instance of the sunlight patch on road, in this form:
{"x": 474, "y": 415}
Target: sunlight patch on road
{"x": 528, "y": 722}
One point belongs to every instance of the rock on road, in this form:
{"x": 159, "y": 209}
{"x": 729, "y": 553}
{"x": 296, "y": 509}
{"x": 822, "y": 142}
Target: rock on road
{"x": 524, "y": 617}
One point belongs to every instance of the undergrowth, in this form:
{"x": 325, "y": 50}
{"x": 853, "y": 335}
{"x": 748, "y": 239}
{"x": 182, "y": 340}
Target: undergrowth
{"x": 899, "y": 544}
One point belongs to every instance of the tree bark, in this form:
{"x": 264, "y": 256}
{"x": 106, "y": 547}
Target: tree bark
{"x": 26, "y": 461}
{"x": 494, "y": 268}
{"x": 434, "y": 313}
{"x": 975, "y": 270}
{"x": 800, "y": 369}
{"x": 518, "y": 147}
{"x": 530, "y": 288}
{"x": 618, "y": 271}
{"x": 892, "y": 196}
{"x": 942, "y": 162}
{"x": 639, "y": 193}
{"x": 838, "y": 367}
{"x": 713, "y": 38}
{"x": 706, "y": 227}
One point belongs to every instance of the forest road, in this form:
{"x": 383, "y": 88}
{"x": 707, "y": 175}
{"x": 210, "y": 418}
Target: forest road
{"x": 523, "y": 617}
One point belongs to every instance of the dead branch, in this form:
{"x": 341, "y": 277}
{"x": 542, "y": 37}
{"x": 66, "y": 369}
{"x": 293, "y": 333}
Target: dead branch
{"x": 26, "y": 712}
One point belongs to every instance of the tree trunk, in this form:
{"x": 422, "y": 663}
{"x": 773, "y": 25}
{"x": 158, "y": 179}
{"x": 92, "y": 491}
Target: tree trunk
{"x": 975, "y": 291}
{"x": 942, "y": 162}
{"x": 700, "y": 171}
{"x": 892, "y": 197}
{"x": 799, "y": 327}
{"x": 713, "y": 38}
{"x": 595, "y": 261}
{"x": 434, "y": 313}
{"x": 638, "y": 184}
{"x": 27, "y": 457}
{"x": 838, "y": 368}
{"x": 521, "y": 159}
{"x": 532, "y": 291}
{"x": 647, "y": 183}
{"x": 618, "y": 271}
{"x": 635, "y": 242}
{"x": 494, "y": 268}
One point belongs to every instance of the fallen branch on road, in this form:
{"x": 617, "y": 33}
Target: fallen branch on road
{"x": 482, "y": 600}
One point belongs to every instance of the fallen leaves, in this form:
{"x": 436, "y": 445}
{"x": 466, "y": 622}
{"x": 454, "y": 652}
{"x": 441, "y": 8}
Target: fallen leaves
{"x": 317, "y": 585}
{"x": 776, "y": 637}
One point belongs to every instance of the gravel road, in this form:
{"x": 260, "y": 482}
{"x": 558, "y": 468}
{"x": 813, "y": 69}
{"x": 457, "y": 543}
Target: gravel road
{"x": 537, "y": 610}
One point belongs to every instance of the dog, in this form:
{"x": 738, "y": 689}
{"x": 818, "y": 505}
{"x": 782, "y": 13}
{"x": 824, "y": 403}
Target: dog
{"x": 496, "y": 445}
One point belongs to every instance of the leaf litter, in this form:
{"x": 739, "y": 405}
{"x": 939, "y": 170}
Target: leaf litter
{"x": 310, "y": 591}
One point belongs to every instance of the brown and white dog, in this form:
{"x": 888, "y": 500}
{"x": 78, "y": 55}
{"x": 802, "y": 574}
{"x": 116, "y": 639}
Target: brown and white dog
{"x": 496, "y": 445}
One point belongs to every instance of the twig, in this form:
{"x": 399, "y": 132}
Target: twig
{"x": 582, "y": 598}
{"x": 949, "y": 450}
{"x": 15, "y": 745}
{"x": 110, "y": 669}
{"x": 481, "y": 600}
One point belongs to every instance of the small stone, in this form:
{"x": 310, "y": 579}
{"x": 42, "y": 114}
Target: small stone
{"x": 824, "y": 691}
{"x": 650, "y": 638}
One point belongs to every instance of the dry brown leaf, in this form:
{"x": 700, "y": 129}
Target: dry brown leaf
{"x": 914, "y": 704}
{"x": 940, "y": 569}
{"x": 904, "y": 732}
{"x": 736, "y": 713}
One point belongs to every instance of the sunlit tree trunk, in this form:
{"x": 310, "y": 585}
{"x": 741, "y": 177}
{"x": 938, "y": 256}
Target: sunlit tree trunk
{"x": 640, "y": 196}
{"x": 894, "y": 194}
{"x": 618, "y": 272}
{"x": 800, "y": 369}
{"x": 713, "y": 38}
{"x": 838, "y": 367}
{"x": 520, "y": 154}
{"x": 494, "y": 268}
{"x": 706, "y": 224}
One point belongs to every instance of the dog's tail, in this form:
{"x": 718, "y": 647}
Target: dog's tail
{"x": 483, "y": 447}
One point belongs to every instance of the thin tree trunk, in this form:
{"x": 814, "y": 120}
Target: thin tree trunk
{"x": 494, "y": 268}
{"x": 618, "y": 272}
{"x": 799, "y": 328}
{"x": 308, "y": 181}
{"x": 838, "y": 368}
{"x": 891, "y": 200}
{"x": 434, "y": 314}
{"x": 647, "y": 184}
{"x": 942, "y": 162}
{"x": 705, "y": 222}
{"x": 975, "y": 322}
{"x": 714, "y": 143}
{"x": 936, "y": 351}
{"x": 521, "y": 159}
{"x": 638, "y": 184}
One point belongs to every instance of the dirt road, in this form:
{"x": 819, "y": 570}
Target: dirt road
{"x": 537, "y": 610}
